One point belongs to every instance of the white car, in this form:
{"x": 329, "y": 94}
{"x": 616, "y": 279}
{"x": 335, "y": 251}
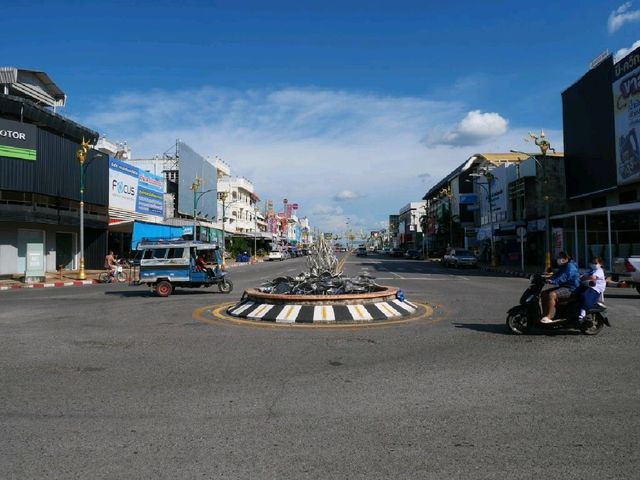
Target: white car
{"x": 628, "y": 270}
{"x": 276, "y": 255}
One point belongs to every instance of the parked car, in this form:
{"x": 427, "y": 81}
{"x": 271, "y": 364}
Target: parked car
{"x": 459, "y": 257}
{"x": 362, "y": 252}
{"x": 396, "y": 252}
{"x": 628, "y": 270}
{"x": 413, "y": 254}
{"x": 275, "y": 255}
{"x": 385, "y": 251}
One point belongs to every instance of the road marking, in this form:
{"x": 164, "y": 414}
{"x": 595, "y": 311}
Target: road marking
{"x": 261, "y": 311}
{"x": 213, "y": 314}
{"x": 359, "y": 313}
{"x": 324, "y": 313}
{"x": 288, "y": 315}
{"x": 387, "y": 310}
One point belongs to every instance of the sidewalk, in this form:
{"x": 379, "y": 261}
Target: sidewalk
{"x": 67, "y": 279}
{"x": 70, "y": 278}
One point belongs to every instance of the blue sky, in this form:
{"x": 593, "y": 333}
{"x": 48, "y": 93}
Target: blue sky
{"x": 350, "y": 109}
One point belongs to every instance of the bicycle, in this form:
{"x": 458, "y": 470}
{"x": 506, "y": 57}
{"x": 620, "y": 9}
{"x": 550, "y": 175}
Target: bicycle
{"x": 115, "y": 275}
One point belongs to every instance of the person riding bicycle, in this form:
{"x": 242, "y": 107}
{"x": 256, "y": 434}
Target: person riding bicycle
{"x": 110, "y": 262}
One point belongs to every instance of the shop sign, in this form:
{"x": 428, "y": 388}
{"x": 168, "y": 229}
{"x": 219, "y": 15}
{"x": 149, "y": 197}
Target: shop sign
{"x": 18, "y": 140}
{"x": 135, "y": 190}
{"x": 468, "y": 199}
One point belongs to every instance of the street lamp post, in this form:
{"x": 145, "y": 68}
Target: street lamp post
{"x": 81, "y": 156}
{"x": 544, "y": 146}
{"x": 223, "y": 196}
{"x": 255, "y": 233}
{"x": 196, "y": 198}
{"x": 489, "y": 177}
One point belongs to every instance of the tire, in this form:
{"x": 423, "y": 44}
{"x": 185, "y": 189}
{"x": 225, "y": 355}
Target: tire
{"x": 225, "y": 286}
{"x": 104, "y": 277}
{"x": 164, "y": 288}
{"x": 638, "y": 288}
{"x": 518, "y": 323}
{"x": 121, "y": 277}
{"x": 593, "y": 324}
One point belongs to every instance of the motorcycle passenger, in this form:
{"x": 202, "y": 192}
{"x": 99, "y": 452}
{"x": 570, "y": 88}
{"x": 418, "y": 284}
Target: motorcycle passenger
{"x": 567, "y": 278}
{"x": 594, "y": 287}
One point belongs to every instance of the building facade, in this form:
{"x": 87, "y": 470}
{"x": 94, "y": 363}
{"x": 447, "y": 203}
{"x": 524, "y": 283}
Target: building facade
{"x": 40, "y": 180}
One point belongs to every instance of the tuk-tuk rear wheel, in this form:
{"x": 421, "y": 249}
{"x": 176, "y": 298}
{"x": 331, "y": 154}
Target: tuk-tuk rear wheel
{"x": 164, "y": 288}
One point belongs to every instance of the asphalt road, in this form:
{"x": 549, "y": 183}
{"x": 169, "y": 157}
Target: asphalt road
{"x": 109, "y": 381}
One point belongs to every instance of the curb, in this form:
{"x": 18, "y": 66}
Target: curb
{"x": 75, "y": 283}
{"x": 511, "y": 273}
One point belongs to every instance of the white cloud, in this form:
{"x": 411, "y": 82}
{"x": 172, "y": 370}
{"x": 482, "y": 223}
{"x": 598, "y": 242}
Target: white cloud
{"x": 346, "y": 195}
{"x": 474, "y": 129}
{"x": 307, "y": 144}
{"x": 623, "y": 52}
{"x": 622, "y": 15}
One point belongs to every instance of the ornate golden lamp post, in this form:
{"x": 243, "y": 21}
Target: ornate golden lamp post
{"x": 544, "y": 146}
{"x": 81, "y": 155}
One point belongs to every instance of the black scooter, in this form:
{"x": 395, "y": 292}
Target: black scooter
{"x": 522, "y": 318}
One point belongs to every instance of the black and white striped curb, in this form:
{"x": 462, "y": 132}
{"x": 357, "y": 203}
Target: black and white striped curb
{"x": 294, "y": 313}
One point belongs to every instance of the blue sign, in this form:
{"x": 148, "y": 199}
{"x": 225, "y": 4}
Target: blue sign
{"x": 468, "y": 199}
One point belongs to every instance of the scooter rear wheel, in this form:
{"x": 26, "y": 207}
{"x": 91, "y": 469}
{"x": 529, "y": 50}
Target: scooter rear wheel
{"x": 518, "y": 323}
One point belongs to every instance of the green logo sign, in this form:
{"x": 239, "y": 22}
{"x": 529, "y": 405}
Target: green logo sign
{"x": 18, "y": 140}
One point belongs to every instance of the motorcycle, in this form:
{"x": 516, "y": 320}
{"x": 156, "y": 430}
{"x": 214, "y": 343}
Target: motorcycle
{"x": 523, "y": 317}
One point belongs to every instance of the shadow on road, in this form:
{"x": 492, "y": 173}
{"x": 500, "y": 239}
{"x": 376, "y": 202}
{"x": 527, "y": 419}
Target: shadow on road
{"x": 502, "y": 329}
{"x": 149, "y": 293}
{"x": 498, "y": 329}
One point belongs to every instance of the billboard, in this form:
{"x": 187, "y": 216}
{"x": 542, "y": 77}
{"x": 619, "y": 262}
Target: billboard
{"x": 192, "y": 165}
{"x": 135, "y": 190}
{"x": 18, "y": 140}
{"x": 588, "y": 131}
{"x": 626, "y": 113}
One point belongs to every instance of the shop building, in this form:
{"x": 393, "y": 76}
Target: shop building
{"x": 601, "y": 116}
{"x": 40, "y": 181}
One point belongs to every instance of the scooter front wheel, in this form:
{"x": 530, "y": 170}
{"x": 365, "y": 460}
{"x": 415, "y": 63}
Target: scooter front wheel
{"x": 518, "y": 323}
{"x": 225, "y": 286}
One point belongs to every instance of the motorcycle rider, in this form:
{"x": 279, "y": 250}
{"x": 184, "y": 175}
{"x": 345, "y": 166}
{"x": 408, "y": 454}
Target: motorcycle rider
{"x": 567, "y": 279}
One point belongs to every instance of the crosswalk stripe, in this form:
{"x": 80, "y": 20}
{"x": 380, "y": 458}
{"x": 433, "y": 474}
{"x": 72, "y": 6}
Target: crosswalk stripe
{"x": 359, "y": 313}
{"x": 387, "y": 309}
{"x": 324, "y": 313}
{"x": 260, "y": 311}
{"x": 289, "y": 314}
{"x": 404, "y": 306}
{"x": 242, "y": 308}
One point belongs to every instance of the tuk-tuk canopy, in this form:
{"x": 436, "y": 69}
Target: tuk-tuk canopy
{"x": 147, "y": 243}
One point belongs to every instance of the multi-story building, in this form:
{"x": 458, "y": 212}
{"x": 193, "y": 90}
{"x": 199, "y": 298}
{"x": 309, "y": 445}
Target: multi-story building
{"x": 40, "y": 181}
{"x": 409, "y": 225}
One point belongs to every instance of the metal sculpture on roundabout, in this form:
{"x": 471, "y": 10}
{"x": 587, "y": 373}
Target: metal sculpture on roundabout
{"x": 323, "y": 295}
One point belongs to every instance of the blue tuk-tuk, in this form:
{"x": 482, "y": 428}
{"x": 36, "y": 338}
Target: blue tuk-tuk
{"x": 167, "y": 264}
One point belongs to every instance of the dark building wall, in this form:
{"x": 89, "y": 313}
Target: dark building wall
{"x": 56, "y": 171}
{"x": 589, "y": 139}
